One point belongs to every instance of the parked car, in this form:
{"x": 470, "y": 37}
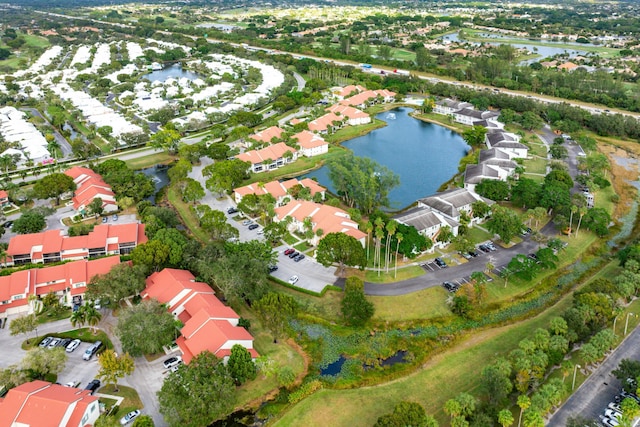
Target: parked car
{"x": 609, "y": 422}
{"x": 72, "y": 384}
{"x": 473, "y": 253}
{"x": 114, "y": 217}
{"x": 93, "y": 386}
{"x": 45, "y": 342}
{"x": 526, "y": 231}
{"x": 294, "y": 254}
{"x": 172, "y": 361}
{"x": 93, "y": 349}
{"x": 247, "y": 222}
{"x": 8, "y": 224}
{"x": 129, "y": 417}
{"x": 299, "y": 258}
{"x": 289, "y": 251}
{"x": 484, "y": 248}
{"x": 253, "y": 226}
{"x": 73, "y": 345}
{"x": 465, "y": 255}
{"x": 440, "y": 262}
{"x": 293, "y": 280}
{"x": 64, "y": 342}
{"x": 232, "y": 210}
{"x": 53, "y": 343}
{"x": 272, "y": 268}
{"x": 451, "y": 287}
{"x": 105, "y": 219}
{"x": 261, "y": 231}
{"x": 625, "y": 395}
{"x": 491, "y": 246}
{"x": 612, "y": 413}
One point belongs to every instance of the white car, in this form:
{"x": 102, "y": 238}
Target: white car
{"x": 610, "y": 422}
{"x": 73, "y": 345}
{"x": 129, "y": 417}
{"x": 293, "y": 280}
{"x": 613, "y": 414}
{"x": 54, "y": 343}
{"x": 172, "y": 361}
{"x": 72, "y": 384}
{"x": 247, "y": 222}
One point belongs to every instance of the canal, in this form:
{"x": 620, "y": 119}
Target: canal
{"x": 424, "y": 155}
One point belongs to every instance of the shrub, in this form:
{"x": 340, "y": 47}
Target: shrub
{"x": 307, "y": 389}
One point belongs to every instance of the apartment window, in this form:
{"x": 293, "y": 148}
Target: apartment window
{"x": 17, "y": 297}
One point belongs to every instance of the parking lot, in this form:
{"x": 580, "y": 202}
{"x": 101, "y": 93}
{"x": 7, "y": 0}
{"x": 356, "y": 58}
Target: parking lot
{"x": 312, "y": 276}
{"x": 78, "y": 370}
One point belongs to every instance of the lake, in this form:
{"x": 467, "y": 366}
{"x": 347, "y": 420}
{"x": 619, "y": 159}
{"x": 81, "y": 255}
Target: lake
{"x": 174, "y": 71}
{"x": 424, "y": 155}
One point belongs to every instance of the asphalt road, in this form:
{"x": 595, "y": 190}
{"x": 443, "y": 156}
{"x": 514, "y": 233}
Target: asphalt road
{"x": 65, "y": 147}
{"x": 598, "y": 390}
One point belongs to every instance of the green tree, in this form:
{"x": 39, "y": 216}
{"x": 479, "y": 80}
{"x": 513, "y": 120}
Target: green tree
{"x": 225, "y": 175}
{"x": 123, "y": 280}
{"x": 145, "y": 328}
{"x": 496, "y": 382}
{"x": 480, "y": 209}
{"x": 493, "y": 189}
{"x": 356, "y": 309}
{"x": 475, "y": 136}
{"x": 198, "y": 393}
{"x": 361, "y": 182}
{"x": 40, "y": 362}
{"x": 240, "y": 365}
{"x": 215, "y": 223}
{"x": 523, "y": 403}
{"x": 92, "y": 316}
{"x": 143, "y": 421}
{"x": 152, "y": 255}
{"x": 30, "y": 222}
{"x": 274, "y": 311}
{"x": 505, "y": 418}
{"x": 526, "y": 193}
{"x": 95, "y": 207}
{"x": 23, "y": 325}
{"x": 113, "y": 367}
{"x": 53, "y": 185}
{"x": 342, "y": 249}
{"x": 407, "y": 414}
{"x": 192, "y": 191}
{"x": 166, "y": 139}
{"x": 504, "y": 222}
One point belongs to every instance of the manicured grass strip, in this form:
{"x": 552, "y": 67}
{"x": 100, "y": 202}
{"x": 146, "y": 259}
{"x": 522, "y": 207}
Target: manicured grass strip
{"x": 535, "y": 165}
{"x": 131, "y": 399}
{"x": 425, "y": 304}
{"x": 390, "y": 277}
{"x": 478, "y": 235}
{"x": 188, "y": 217}
{"x": 149, "y": 161}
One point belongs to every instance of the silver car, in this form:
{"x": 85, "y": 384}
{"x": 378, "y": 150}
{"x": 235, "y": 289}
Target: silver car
{"x": 54, "y": 343}
{"x": 73, "y": 345}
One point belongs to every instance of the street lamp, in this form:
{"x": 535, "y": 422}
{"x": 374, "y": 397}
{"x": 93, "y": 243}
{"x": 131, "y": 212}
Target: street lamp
{"x": 575, "y": 370}
{"x": 614, "y": 325}
{"x": 626, "y": 323}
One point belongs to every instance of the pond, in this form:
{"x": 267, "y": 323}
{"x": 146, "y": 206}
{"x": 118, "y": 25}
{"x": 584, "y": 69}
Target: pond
{"x": 173, "y": 71}
{"x": 424, "y": 155}
{"x": 333, "y": 368}
{"x": 160, "y": 178}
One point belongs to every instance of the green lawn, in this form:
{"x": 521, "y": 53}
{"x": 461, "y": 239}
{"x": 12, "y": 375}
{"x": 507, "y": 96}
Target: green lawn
{"x": 188, "y": 217}
{"x": 425, "y": 304}
{"x": 477, "y": 235}
{"x": 536, "y": 149}
{"x": 403, "y": 274}
{"x": 350, "y": 132}
{"x": 149, "y": 161}
{"x": 131, "y": 399}
{"x": 326, "y": 307}
{"x": 303, "y": 246}
{"x": 535, "y": 165}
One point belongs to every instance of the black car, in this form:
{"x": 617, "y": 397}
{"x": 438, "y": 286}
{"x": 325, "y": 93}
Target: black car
{"x": 64, "y": 342}
{"x": 299, "y": 258}
{"x": 8, "y": 224}
{"x": 272, "y": 268}
{"x": 440, "y": 262}
{"x": 93, "y": 386}
{"x": 533, "y": 256}
{"x": 232, "y": 210}
{"x": 451, "y": 287}
{"x": 473, "y": 253}
{"x": 253, "y": 226}
{"x": 484, "y": 248}
{"x": 526, "y": 231}
{"x": 294, "y": 254}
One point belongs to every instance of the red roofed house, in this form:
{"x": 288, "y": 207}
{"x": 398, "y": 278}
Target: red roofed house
{"x": 323, "y": 217}
{"x": 51, "y": 246}
{"x": 208, "y": 323}
{"x": 267, "y": 134}
{"x": 274, "y": 155}
{"x": 4, "y": 199}
{"x": 348, "y": 90}
{"x": 330, "y": 122}
{"x": 279, "y": 190}
{"x": 354, "y": 116}
{"x": 364, "y": 99}
{"x": 311, "y": 144}
{"x": 42, "y": 404}
{"x": 67, "y": 281}
{"x": 90, "y": 186}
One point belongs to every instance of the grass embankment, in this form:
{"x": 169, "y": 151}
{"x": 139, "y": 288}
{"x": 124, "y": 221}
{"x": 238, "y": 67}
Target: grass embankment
{"x": 188, "y": 217}
{"x": 131, "y": 399}
{"x": 149, "y": 161}
{"x": 350, "y": 132}
{"x": 403, "y": 274}
{"x": 444, "y": 376}
{"x": 83, "y": 334}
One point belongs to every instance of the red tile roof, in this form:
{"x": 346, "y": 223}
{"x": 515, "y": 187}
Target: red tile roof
{"x": 272, "y": 152}
{"x": 309, "y": 140}
{"x": 347, "y": 111}
{"x": 322, "y": 123}
{"x": 267, "y": 134}
{"x": 207, "y": 321}
{"x": 324, "y": 217}
{"x": 89, "y": 186}
{"x": 42, "y": 404}
{"x": 279, "y": 189}
{"x": 363, "y": 97}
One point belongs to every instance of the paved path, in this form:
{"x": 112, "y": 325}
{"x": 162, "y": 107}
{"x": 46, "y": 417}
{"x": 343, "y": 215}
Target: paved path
{"x": 598, "y": 390}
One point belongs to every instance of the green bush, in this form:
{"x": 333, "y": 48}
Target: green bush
{"x": 307, "y": 389}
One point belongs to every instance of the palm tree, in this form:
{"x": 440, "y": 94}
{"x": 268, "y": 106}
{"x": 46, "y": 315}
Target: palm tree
{"x": 581, "y": 212}
{"x": 574, "y": 209}
{"x": 368, "y": 228}
{"x": 53, "y": 146}
{"x": 523, "y": 402}
{"x": 92, "y": 316}
{"x": 379, "y": 236}
{"x": 399, "y": 238}
{"x": 391, "y": 230}
{"x": 78, "y": 318}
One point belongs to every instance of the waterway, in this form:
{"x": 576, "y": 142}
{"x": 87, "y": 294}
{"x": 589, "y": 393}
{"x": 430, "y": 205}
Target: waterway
{"x": 173, "y": 71}
{"x": 424, "y": 155}
{"x": 545, "y": 51}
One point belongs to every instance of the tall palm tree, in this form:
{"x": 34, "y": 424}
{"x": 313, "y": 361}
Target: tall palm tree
{"x": 399, "y": 238}
{"x": 391, "y": 230}
{"x": 368, "y": 228}
{"x": 78, "y": 318}
{"x": 92, "y": 316}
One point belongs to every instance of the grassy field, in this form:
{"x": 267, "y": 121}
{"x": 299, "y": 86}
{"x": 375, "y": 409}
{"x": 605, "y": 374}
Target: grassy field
{"x": 478, "y": 235}
{"x": 350, "y": 132}
{"x": 535, "y": 165}
{"x": 403, "y": 274}
{"x": 539, "y": 150}
{"x": 425, "y": 304}
{"x": 149, "y": 161}
{"x": 131, "y": 399}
